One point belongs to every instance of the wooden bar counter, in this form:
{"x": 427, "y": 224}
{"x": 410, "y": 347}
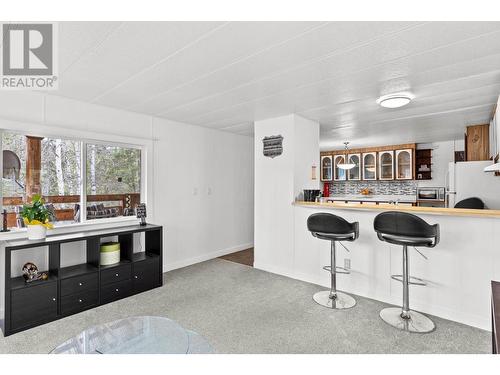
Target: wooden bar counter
{"x": 405, "y": 208}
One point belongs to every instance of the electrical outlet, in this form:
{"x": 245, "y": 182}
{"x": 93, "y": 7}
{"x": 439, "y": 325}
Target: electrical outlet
{"x": 195, "y": 191}
{"x": 347, "y": 263}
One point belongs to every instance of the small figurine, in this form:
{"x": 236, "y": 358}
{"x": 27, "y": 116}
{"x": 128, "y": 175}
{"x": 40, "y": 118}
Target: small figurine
{"x": 141, "y": 213}
{"x": 30, "y": 273}
{"x": 4, "y": 226}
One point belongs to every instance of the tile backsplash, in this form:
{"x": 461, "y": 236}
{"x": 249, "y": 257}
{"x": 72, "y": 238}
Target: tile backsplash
{"x": 376, "y": 187}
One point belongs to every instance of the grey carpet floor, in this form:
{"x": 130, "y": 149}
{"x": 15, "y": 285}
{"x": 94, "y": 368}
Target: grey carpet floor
{"x": 239, "y": 309}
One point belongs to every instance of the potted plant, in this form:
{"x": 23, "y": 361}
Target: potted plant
{"x": 36, "y": 217}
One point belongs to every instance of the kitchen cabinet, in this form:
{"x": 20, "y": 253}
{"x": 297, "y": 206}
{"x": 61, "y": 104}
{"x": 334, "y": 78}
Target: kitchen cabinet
{"x": 355, "y": 173}
{"x": 496, "y": 121}
{"x": 370, "y": 166}
{"x": 493, "y": 138}
{"x": 339, "y": 174}
{"x": 326, "y": 168}
{"x": 477, "y": 142}
{"x": 495, "y": 133}
{"x": 386, "y": 165}
{"x": 368, "y": 163}
{"x": 404, "y": 164}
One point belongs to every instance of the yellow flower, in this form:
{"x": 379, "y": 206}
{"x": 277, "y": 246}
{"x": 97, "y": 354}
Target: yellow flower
{"x": 47, "y": 224}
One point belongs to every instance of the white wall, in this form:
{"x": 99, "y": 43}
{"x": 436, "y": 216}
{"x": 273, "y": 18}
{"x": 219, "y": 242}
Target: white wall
{"x": 277, "y": 182}
{"x": 203, "y": 191}
{"x": 179, "y": 158}
{"x": 471, "y": 181}
{"x": 306, "y": 149}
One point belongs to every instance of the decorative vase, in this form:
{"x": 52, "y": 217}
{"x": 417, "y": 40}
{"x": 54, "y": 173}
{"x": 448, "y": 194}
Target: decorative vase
{"x": 36, "y": 232}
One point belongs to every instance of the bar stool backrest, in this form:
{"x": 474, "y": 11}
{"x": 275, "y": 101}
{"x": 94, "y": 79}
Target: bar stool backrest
{"x": 332, "y": 227}
{"x": 474, "y": 203}
{"x": 406, "y": 226}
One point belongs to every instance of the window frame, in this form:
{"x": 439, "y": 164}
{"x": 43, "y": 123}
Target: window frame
{"x": 83, "y": 174}
{"x": 84, "y": 141}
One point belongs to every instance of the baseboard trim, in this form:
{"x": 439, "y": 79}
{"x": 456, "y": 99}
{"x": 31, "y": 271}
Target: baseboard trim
{"x": 202, "y": 258}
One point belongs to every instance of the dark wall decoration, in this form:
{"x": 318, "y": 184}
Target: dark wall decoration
{"x": 273, "y": 146}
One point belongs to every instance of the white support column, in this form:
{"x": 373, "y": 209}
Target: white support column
{"x": 278, "y": 181}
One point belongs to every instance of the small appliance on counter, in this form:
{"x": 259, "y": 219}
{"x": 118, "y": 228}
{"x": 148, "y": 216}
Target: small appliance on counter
{"x": 434, "y": 196}
{"x": 326, "y": 189}
{"x": 110, "y": 253}
{"x": 311, "y": 195}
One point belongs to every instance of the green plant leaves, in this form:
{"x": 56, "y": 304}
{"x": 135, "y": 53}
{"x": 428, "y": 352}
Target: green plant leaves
{"x": 36, "y": 210}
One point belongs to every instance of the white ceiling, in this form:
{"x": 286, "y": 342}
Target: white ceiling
{"x": 226, "y": 75}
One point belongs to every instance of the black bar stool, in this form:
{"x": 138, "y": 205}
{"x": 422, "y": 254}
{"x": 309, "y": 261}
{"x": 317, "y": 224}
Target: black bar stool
{"x": 401, "y": 228}
{"x": 333, "y": 228}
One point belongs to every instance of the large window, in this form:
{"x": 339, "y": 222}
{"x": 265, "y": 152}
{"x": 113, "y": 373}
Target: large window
{"x": 113, "y": 180}
{"x": 53, "y": 167}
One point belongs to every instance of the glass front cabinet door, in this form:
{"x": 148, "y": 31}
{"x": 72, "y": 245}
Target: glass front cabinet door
{"x": 404, "y": 164}
{"x": 386, "y": 165}
{"x": 326, "y": 168}
{"x": 339, "y": 174}
{"x": 370, "y": 166}
{"x": 355, "y": 173}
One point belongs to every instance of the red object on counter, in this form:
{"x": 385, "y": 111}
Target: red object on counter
{"x": 326, "y": 189}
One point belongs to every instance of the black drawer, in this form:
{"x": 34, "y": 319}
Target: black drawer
{"x": 145, "y": 275}
{"x": 118, "y": 273}
{"x": 33, "y": 305}
{"x": 79, "y": 284}
{"x": 79, "y": 301}
{"x": 112, "y": 292}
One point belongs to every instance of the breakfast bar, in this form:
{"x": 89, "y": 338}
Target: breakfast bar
{"x": 458, "y": 271}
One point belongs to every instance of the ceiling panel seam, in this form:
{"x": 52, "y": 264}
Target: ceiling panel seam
{"x": 323, "y": 80}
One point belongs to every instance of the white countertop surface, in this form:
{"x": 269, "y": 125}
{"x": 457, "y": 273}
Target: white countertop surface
{"x": 372, "y": 198}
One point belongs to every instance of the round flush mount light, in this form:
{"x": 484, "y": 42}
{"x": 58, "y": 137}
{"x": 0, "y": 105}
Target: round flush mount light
{"x": 396, "y": 100}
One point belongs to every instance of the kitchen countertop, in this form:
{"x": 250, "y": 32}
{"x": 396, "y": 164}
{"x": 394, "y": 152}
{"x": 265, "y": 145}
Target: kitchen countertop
{"x": 372, "y": 198}
{"x": 394, "y": 207}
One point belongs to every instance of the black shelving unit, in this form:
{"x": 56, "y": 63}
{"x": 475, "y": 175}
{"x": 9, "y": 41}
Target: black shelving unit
{"x": 70, "y": 290}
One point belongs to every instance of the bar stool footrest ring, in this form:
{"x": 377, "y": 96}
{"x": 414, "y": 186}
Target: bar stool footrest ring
{"x": 412, "y": 281}
{"x": 338, "y": 269}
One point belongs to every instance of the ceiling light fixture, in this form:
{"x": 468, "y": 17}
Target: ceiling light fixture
{"x": 396, "y": 100}
{"x": 346, "y": 165}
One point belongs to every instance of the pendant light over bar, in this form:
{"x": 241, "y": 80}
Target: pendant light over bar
{"x": 346, "y": 165}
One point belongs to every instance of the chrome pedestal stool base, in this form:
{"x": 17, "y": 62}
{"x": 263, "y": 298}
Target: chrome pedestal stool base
{"x": 416, "y": 323}
{"x": 342, "y": 301}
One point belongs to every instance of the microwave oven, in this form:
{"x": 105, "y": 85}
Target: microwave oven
{"x": 431, "y": 194}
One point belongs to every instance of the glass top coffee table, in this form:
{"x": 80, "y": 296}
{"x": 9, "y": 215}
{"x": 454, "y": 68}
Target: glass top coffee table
{"x": 136, "y": 335}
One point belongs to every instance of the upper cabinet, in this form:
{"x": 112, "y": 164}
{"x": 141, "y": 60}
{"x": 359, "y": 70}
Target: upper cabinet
{"x": 339, "y": 174}
{"x": 404, "y": 164}
{"x": 386, "y": 165}
{"x": 369, "y": 166}
{"x": 326, "y": 168}
{"x": 395, "y": 162}
{"x": 477, "y": 145}
{"x": 355, "y": 173}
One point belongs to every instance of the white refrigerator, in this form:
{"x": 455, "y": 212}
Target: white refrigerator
{"x": 468, "y": 179}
